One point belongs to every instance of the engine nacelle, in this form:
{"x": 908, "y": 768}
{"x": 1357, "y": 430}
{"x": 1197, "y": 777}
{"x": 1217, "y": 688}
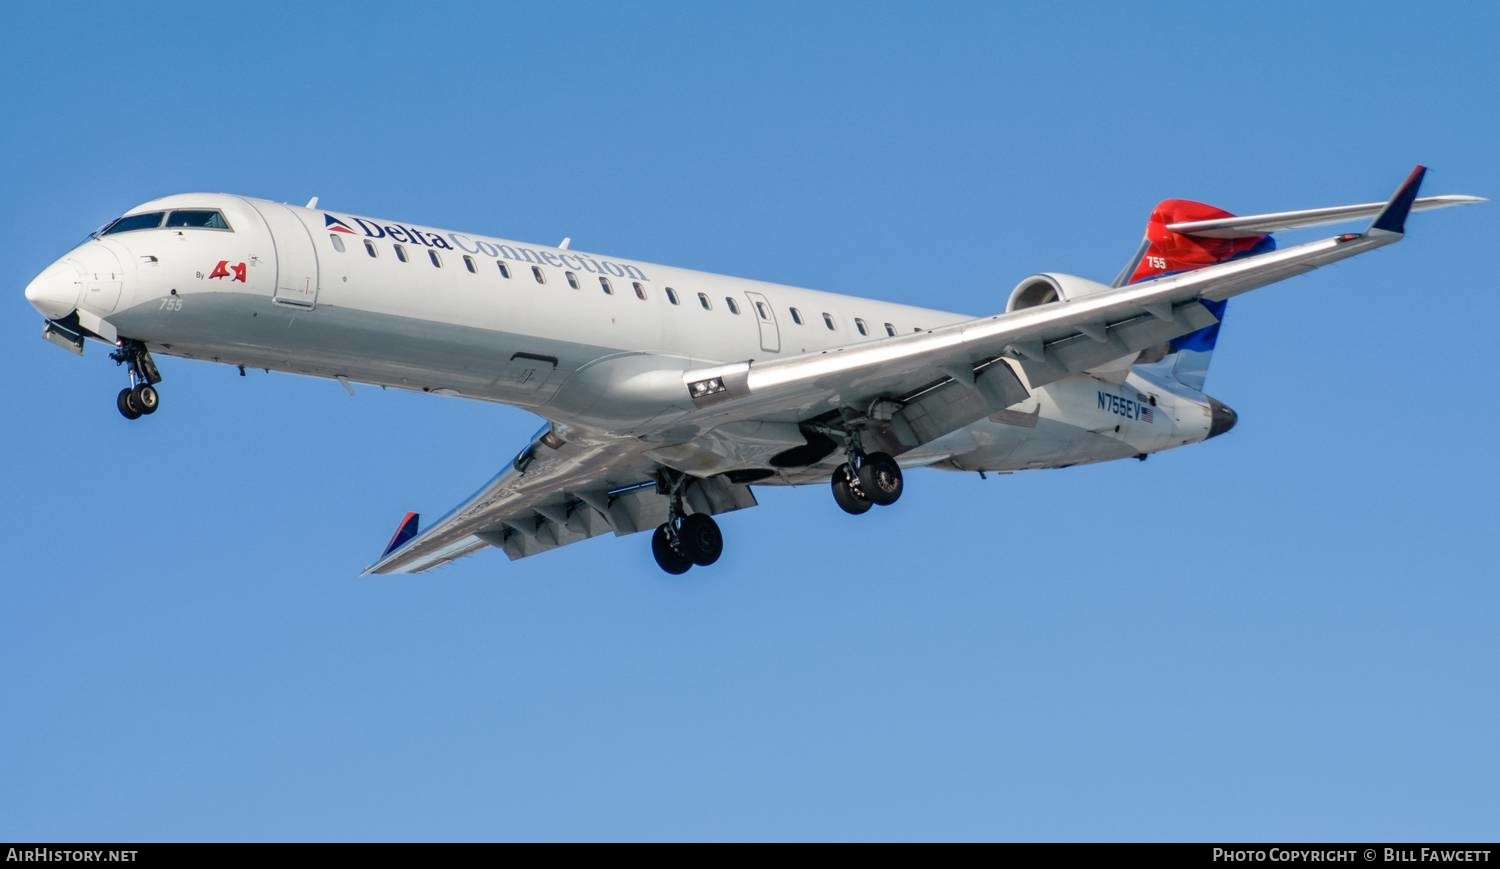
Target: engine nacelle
{"x": 1051, "y": 287}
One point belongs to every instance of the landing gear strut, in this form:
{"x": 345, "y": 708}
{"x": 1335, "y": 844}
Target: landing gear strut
{"x": 683, "y": 541}
{"x": 140, "y": 397}
{"x": 866, "y": 480}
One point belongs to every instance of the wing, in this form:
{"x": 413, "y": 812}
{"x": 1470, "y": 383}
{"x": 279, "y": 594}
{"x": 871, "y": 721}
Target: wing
{"x": 554, "y": 493}
{"x": 911, "y": 389}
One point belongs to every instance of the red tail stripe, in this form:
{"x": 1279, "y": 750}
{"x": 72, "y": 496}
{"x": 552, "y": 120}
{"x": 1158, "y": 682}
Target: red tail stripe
{"x": 1170, "y": 251}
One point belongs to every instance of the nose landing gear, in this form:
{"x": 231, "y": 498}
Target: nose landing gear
{"x": 140, "y": 397}
{"x": 137, "y": 401}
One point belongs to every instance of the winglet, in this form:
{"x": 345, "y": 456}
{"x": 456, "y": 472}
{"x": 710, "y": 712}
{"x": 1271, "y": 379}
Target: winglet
{"x": 404, "y": 532}
{"x": 1392, "y": 218}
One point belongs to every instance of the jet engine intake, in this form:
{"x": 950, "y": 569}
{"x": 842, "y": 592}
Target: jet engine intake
{"x": 1050, "y": 287}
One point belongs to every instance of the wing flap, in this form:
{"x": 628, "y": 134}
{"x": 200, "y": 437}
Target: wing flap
{"x": 527, "y": 533}
{"x": 943, "y": 407}
{"x": 556, "y": 493}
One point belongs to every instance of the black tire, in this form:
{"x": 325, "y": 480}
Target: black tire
{"x": 125, "y": 401}
{"x": 668, "y": 558}
{"x": 146, "y": 399}
{"x": 702, "y": 541}
{"x": 843, "y": 492}
{"x": 880, "y": 478}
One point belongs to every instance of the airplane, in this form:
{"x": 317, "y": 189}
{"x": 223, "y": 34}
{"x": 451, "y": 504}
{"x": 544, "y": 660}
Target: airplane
{"x": 668, "y": 394}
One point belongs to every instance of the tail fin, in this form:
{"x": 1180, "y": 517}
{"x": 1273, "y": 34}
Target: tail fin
{"x": 1166, "y": 251}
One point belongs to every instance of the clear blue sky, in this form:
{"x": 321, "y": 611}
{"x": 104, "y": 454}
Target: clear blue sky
{"x": 1290, "y": 632}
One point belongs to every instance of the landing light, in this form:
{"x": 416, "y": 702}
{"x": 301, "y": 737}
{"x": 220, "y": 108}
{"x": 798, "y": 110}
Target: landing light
{"x": 703, "y": 388}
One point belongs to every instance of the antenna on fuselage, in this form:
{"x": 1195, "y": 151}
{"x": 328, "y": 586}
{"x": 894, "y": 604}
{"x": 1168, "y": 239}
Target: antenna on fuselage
{"x": 312, "y": 203}
{"x": 565, "y": 242}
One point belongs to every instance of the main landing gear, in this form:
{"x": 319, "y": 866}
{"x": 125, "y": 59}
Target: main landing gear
{"x": 683, "y": 541}
{"x": 866, "y": 480}
{"x": 140, "y": 397}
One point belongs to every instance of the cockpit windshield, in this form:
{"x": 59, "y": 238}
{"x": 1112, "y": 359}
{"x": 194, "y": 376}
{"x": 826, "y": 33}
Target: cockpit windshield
{"x": 132, "y": 222}
{"x": 182, "y": 218}
{"x": 198, "y": 218}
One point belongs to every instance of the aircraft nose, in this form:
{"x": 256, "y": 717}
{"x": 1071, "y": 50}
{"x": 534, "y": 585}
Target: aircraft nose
{"x": 1221, "y": 418}
{"x": 55, "y": 291}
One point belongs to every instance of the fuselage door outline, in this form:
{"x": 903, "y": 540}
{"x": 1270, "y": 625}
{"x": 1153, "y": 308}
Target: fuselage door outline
{"x": 765, "y": 317}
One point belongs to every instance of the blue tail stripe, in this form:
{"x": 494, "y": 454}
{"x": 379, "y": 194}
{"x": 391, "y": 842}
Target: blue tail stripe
{"x": 1204, "y": 339}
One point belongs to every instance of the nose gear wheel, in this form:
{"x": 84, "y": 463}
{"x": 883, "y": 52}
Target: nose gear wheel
{"x": 140, "y": 397}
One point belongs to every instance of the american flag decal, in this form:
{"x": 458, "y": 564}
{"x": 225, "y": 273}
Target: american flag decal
{"x": 1148, "y": 413}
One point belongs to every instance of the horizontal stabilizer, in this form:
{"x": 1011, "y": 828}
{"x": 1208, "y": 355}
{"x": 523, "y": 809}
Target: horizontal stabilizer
{"x": 1251, "y": 225}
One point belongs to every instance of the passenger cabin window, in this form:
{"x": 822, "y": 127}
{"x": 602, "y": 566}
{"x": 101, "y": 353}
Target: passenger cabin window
{"x": 370, "y": 248}
{"x": 572, "y": 279}
{"x": 765, "y": 313}
{"x": 149, "y": 220}
{"x": 469, "y": 264}
{"x": 731, "y": 305}
{"x": 859, "y": 326}
{"x": 796, "y": 316}
{"x": 536, "y": 272}
{"x": 640, "y": 291}
{"x": 828, "y": 321}
{"x": 504, "y": 269}
{"x": 197, "y": 218}
{"x": 703, "y": 300}
{"x": 400, "y": 252}
{"x": 337, "y": 241}
{"x": 604, "y": 285}
{"x": 671, "y": 295}
{"x": 890, "y": 330}
{"x": 437, "y": 261}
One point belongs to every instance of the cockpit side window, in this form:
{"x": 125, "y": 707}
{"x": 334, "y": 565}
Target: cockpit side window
{"x": 197, "y": 218}
{"x": 130, "y": 223}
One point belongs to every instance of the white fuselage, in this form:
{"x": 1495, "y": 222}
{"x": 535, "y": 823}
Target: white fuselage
{"x": 585, "y": 340}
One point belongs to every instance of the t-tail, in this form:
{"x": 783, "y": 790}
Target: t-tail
{"x": 1165, "y": 250}
{"x": 1183, "y": 235}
